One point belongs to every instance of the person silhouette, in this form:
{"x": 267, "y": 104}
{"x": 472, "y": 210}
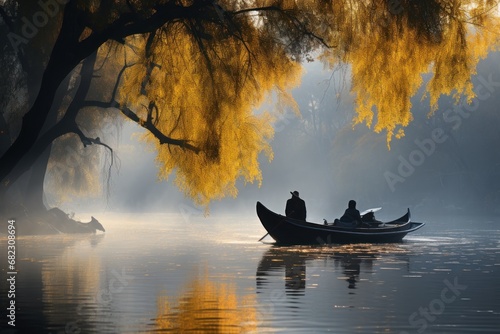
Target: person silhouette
{"x": 296, "y": 207}
{"x": 351, "y": 214}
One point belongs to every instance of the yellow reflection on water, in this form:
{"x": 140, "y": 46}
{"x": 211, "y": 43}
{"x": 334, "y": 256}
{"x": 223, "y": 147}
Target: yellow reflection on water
{"x": 70, "y": 273}
{"x": 207, "y": 306}
{"x": 73, "y": 275}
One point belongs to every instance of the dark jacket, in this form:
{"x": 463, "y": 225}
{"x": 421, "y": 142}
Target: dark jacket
{"x": 351, "y": 215}
{"x": 296, "y": 208}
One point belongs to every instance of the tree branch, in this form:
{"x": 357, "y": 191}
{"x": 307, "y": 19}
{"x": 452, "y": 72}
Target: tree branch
{"x": 129, "y": 24}
{"x": 146, "y": 124}
{"x": 298, "y": 24}
{"x": 87, "y": 141}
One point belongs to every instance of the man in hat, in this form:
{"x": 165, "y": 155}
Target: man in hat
{"x": 296, "y": 207}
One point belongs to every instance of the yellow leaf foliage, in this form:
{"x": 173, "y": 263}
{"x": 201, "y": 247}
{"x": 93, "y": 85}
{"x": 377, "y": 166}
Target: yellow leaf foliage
{"x": 389, "y": 50}
{"x": 207, "y": 95}
{"x": 200, "y": 79}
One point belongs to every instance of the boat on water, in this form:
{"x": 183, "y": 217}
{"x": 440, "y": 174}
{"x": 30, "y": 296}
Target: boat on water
{"x": 287, "y": 230}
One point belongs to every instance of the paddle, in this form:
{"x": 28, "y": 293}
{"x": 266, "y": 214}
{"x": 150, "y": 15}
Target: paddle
{"x": 265, "y": 235}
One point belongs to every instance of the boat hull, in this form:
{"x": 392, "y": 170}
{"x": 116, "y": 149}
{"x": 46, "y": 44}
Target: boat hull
{"x": 292, "y": 231}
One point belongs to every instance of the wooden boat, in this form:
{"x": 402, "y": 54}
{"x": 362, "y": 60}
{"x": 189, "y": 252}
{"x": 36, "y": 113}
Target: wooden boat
{"x": 292, "y": 231}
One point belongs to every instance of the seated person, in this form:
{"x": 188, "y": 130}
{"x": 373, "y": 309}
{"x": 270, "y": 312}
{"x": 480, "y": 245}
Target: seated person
{"x": 351, "y": 215}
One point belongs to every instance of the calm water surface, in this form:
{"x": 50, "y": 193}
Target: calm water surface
{"x": 173, "y": 273}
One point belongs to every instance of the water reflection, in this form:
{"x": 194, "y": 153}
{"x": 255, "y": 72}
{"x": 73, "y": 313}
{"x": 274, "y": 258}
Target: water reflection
{"x": 118, "y": 283}
{"x": 76, "y": 272}
{"x": 294, "y": 262}
{"x": 206, "y": 306}
{"x": 351, "y": 266}
{"x": 51, "y": 271}
{"x": 349, "y": 260}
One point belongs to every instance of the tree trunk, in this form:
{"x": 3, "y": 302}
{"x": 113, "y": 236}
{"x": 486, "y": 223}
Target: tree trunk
{"x": 34, "y": 119}
{"x": 63, "y": 59}
{"x": 4, "y": 135}
{"x": 33, "y": 199}
{"x": 34, "y": 193}
{"x": 55, "y": 129}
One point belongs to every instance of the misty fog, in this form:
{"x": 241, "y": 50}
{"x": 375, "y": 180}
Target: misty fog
{"x": 447, "y": 163}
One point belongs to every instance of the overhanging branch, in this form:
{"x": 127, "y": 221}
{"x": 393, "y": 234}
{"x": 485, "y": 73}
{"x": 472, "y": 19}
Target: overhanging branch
{"x": 146, "y": 124}
{"x": 297, "y": 23}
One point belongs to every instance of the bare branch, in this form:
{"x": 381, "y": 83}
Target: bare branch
{"x": 87, "y": 141}
{"x": 148, "y": 125}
